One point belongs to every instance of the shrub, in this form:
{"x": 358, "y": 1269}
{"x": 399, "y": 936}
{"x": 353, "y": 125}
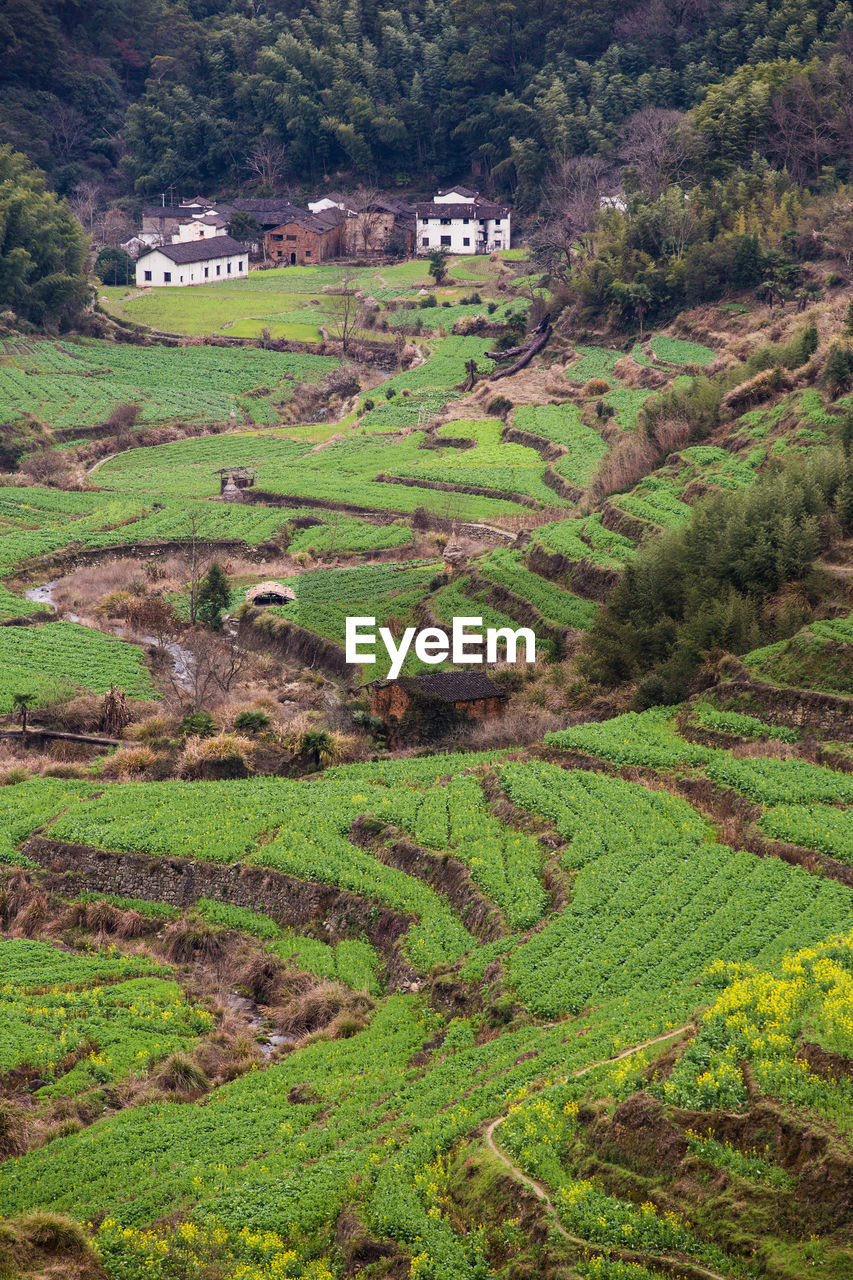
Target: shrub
{"x": 179, "y": 1074}
{"x": 368, "y": 405}
{"x": 390, "y": 393}
{"x": 499, "y": 406}
{"x": 197, "y": 724}
{"x": 596, "y": 387}
{"x": 838, "y": 370}
{"x": 430, "y": 301}
{"x": 491, "y": 307}
{"x": 251, "y": 721}
{"x": 128, "y": 763}
{"x": 214, "y": 596}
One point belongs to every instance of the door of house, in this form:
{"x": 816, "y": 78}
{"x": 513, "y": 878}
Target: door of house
{"x": 293, "y": 259}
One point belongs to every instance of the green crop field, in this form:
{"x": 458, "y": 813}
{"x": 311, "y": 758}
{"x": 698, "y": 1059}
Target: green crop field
{"x": 326, "y": 597}
{"x": 586, "y": 538}
{"x": 81, "y": 381}
{"x": 594, "y": 362}
{"x": 291, "y": 302}
{"x": 53, "y": 1005}
{"x": 59, "y": 659}
{"x": 344, "y": 470}
{"x": 662, "y": 920}
{"x": 506, "y": 569}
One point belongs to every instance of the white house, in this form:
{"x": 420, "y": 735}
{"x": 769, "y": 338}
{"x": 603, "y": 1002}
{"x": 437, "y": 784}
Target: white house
{"x": 200, "y": 228}
{"x": 462, "y": 221}
{"x": 199, "y": 262}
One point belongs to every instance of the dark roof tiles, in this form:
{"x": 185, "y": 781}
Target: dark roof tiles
{"x": 199, "y": 250}
{"x": 453, "y": 686}
{"x": 480, "y": 210}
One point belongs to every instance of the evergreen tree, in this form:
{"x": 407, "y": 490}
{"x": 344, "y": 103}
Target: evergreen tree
{"x": 214, "y": 596}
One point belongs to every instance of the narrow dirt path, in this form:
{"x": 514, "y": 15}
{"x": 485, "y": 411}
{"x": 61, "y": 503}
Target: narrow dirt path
{"x": 541, "y": 1194}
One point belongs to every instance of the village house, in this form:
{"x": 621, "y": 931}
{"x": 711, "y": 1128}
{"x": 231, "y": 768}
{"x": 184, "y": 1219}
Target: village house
{"x": 413, "y": 698}
{"x": 462, "y": 221}
{"x": 376, "y": 226}
{"x": 305, "y": 237}
{"x": 165, "y": 219}
{"x": 203, "y": 227}
{"x": 198, "y": 262}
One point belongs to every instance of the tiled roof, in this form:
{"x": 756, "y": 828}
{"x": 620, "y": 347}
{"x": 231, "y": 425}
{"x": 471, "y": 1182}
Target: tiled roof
{"x": 480, "y": 210}
{"x": 465, "y": 192}
{"x": 453, "y": 686}
{"x": 199, "y": 250}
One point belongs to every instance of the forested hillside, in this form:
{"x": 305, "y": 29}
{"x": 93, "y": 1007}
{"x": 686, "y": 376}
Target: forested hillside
{"x": 215, "y": 93}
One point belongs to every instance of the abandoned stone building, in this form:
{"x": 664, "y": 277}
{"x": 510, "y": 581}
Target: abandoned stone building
{"x": 410, "y": 702}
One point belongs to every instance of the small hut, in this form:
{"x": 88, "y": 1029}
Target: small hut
{"x": 235, "y": 478}
{"x": 270, "y": 592}
{"x": 455, "y": 559}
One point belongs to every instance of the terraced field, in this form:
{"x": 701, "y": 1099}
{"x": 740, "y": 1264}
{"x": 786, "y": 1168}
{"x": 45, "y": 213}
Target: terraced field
{"x": 53, "y": 662}
{"x": 79, "y": 382}
{"x": 661, "y": 919}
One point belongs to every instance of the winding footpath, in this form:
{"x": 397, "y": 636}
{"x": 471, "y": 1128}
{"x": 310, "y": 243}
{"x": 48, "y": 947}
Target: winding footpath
{"x": 671, "y": 1264}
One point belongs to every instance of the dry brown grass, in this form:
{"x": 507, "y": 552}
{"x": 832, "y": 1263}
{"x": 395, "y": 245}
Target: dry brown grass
{"x": 225, "y": 754}
{"x": 313, "y": 1009}
{"x": 130, "y": 762}
{"x": 626, "y": 464}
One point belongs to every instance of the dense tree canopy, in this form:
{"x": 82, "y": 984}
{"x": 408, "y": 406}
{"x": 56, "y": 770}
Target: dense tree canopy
{"x": 183, "y": 93}
{"x": 42, "y": 247}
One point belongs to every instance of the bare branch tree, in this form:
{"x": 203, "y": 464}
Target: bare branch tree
{"x": 267, "y": 161}
{"x": 67, "y": 129}
{"x": 347, "y": 316}
{"x": 653, "y": 143}
{"x": 570, "y": 211}
{"x": 85, "y": 201}
{"x": 199, "y": 560}
{"x": 213, "y": 665}
{"x": 367, "y": 216}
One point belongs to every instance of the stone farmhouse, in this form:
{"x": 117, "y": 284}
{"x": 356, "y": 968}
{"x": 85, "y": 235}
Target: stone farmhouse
{"x": 462, "y": 221}
{"x": 410, "y": 700}
{"x": 197, "y": 262}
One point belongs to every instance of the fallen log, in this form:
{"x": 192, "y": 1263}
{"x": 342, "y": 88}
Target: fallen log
{"x": 528, "y": 355}
{"x": 508, "y": 354}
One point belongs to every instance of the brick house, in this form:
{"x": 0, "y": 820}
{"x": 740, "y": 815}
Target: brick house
{"x": 413, "y": 698}
{"x": 305, "y": 237}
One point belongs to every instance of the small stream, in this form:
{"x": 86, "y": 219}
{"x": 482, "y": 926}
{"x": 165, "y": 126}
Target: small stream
{"x": 249, "y": 1010}
{"x": 181, "y": 658}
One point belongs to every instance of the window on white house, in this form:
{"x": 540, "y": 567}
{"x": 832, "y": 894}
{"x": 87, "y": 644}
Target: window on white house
{"x": 218, "y": 269}
{"x": 445, "y": 240}
{"x": 466, "y": 221}
{"x": 466, "y": 240}
{"x": 424, "y": 242}
{"x": 167, "y": 277}
{"x": 148, "y": 274}
{"x": 229, "y": 268}
{"x": 182, "y": 279}
{"x": 445, "y": 222}
{"x": 239, "y": 266}
{"x": 206, "y": 272}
